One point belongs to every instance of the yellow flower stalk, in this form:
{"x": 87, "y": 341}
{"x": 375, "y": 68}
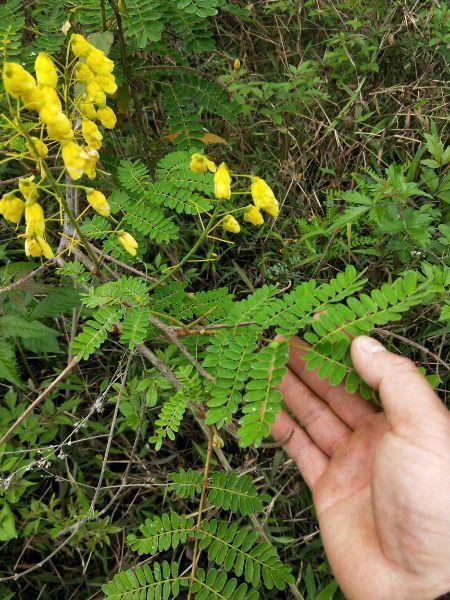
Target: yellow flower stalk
{"x": 230, "y": 224}
{"x": 12, "y": 207}
{"x": 107, "y": 117}
{"x": 75, "y": 159}
{"x": 236, "y": 65}
{"x": 46, "y": 73}
{"x": 28, "y": 189}
{"x": 201, "y": 164}
{"x": 222, "y": 182}
{"x": 35, "y": 220}
{"x": 79, "y": 45}
{"x": 128, "y": 242}
{"x": 17, "y": 82}
{"x": 263, "y": 196}
{"x": 91, "y": 134}
{"x": 98, "y": 202}
{"x": 38, "y": 147}
{"x": 253, "y": 216}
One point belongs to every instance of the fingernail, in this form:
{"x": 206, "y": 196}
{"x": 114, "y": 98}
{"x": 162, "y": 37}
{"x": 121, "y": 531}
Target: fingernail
{"x": 369, "y": 345}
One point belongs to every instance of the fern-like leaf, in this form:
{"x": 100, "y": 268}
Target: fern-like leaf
{"x": 95, "y": 331}
{"x": 135, "y": 326}
{"x": 214, "y": 585}
{"x": 237, "y": 494}
{"x": 262, "y": 401}
{"x": 158, "y": 582}
{"x": 160, "y": 533}
{"x": 186, "y": 483}
{"x": 235, "y": 548}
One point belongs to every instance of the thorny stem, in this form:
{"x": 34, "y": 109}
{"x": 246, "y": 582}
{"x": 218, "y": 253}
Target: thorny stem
{"x": 201, "y": 506}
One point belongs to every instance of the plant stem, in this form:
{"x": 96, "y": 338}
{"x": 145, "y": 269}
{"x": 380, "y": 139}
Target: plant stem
{"x": 198, "y": 243}
{"x": 103, "y": 14}
{"x": 128, "y": 72}
{"x": 201, "y": 506}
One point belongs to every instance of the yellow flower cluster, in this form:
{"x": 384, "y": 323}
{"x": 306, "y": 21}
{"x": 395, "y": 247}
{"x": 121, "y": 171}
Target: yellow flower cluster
{"x": 12, "y": 208}
{"x": 262, "y": 194}
{"x": 78, "y": 145}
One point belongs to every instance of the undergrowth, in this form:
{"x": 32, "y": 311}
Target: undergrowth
{"x": 140, "y": 301}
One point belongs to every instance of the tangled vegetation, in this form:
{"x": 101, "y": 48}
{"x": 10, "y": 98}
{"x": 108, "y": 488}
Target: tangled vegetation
{"x": 181, "y": 182}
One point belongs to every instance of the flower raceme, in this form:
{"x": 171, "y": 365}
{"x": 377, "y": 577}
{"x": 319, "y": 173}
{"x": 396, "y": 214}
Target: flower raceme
{"x": 74, "y": 125}
{"x": 262, "y": 194}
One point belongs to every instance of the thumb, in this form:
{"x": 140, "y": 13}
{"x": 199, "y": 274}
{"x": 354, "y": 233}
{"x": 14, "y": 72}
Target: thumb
{"x": 408, "y": 399}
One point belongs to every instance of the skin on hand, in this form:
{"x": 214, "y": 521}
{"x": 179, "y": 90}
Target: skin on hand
{"x": 380, "y": 480}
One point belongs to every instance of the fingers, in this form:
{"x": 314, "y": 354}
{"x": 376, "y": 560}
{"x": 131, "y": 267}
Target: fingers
{"x": 322, "y": 424}
{"x": 310, "y": 460}
{"x": 350, "y": 408}
{"x": 408, "y": 399}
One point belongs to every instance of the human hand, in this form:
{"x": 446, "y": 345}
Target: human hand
{"x": 380, "y": 480}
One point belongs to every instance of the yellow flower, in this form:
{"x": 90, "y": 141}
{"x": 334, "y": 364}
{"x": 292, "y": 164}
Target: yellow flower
{"x": 38, "y": 146}
{"x": 34, "y": 218}
{"x": 83, "y": 73}
{"x": 12, "y": 207}
{"x": 273, "y": 209}
{"x": 107, "y": 117}
{"x": 236, "y": 65}
{"x": 230, "y": 224}
{"x": 51, "y": 96}
{"x": 252, "y": 215}
{"x": 16, "y": 80}
{"x": 201, "y": 164}
{"x": 46, "y": 73}
{"x": 28, "y": 188}
{"x": 98, "y": 202}
{"x": 96, "y": 94}
{"x": 91, "y": 134}
{"x": 32, "y": 247}
{"x": 128, "y": 242}
{"x": 99, "y": 62}
{"x": 58, "y": 125}
{"x": 222, "y": 182}
{"x": 87, "y": 108}
{"x": 74, "y": 158}
{"x": 91, "y": 163}
{"x": 107, "y": 83}
{"x": 45, "y": 247}
{"x": 263, "y": 196}
{"x": 79, "y": 45}
{"x": 34, "y": 99}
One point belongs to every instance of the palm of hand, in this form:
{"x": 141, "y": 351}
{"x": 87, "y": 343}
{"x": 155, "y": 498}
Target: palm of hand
{"x": 377, "y": 489}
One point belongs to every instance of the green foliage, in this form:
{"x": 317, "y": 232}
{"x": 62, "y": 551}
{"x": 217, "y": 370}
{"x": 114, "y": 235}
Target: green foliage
{"x": 158, "y": 581}
{"x": 341, "y": 107}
